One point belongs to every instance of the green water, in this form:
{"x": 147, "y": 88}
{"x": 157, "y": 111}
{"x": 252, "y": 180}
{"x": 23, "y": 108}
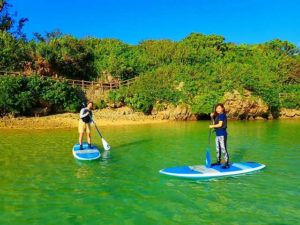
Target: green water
{"x": 41, "y": 182}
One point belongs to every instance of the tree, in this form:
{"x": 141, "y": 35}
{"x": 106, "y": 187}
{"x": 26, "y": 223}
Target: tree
{"x": 9, "y": 23}
{"x": 14, "y": 53}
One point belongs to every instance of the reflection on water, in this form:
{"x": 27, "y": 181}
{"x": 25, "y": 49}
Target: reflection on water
{"x": 106, "y": 155}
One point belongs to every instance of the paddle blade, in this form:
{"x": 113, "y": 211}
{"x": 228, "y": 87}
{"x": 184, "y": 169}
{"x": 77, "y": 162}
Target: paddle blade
{"x": 207, "y": 159}
{"x": 106, "y": 146}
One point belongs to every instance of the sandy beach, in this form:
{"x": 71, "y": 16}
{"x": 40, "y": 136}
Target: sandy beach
{"x": 105, "y": 117}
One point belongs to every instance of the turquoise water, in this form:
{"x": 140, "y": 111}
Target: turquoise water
{"x": 41, "y": 182}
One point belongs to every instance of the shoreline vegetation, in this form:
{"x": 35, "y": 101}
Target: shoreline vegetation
{"x": 170, "y": 80}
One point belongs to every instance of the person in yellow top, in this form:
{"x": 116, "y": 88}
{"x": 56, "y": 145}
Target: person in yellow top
{"x": 84, "y": 125}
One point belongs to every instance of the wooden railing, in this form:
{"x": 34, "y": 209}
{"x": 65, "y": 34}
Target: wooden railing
{"x": 10, "y": 73}
{"x": 100, "y": 85}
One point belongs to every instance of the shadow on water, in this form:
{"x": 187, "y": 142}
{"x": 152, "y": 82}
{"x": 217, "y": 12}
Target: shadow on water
{"x": 130, "y": 144}
{"x": 239, "y": 154}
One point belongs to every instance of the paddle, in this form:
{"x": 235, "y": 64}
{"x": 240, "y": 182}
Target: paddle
{"x": 106, "y": 146}
{"x": 207, "y": 155}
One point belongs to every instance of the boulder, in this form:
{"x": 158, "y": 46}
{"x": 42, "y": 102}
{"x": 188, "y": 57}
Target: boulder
{"x": 289, "y": 113}
{"x": 244, "y": 105}
{"x": 171, "y": 112}
{"x": 125, "y": 110}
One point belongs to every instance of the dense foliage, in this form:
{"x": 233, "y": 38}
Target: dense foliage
{"x": 22, "y": 95}
{"x": 199, "y": 69}
{"x": 196, "y": 70}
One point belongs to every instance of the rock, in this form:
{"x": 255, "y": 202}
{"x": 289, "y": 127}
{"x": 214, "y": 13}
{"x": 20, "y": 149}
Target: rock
{"x": 115, "y": 105}
{"x": 125, "y": 110}
{"x": 259, "y": 118}
{"x": 244, "y": 105}
{"x": 41, "y": 111}
{"x": 165, "y": 113}
{"x": 180, "y": 112}
{"x": 289, "y": 113}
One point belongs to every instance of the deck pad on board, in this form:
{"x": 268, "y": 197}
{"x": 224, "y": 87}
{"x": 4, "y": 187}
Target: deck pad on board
{"x": 87, "y": 153}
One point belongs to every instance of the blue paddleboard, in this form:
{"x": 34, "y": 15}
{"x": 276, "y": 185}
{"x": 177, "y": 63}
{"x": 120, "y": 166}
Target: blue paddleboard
{"x": 203, "y": 172}
{"x": 87, "y": 153}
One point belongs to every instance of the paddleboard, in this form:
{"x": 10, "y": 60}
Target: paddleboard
{"x": 202, "y": 172}
{"x": 87, "y": 153}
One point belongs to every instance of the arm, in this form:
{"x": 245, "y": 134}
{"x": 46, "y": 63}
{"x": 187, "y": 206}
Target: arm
{"x": 82, "y": 114}
{"x": 220, "y": 124}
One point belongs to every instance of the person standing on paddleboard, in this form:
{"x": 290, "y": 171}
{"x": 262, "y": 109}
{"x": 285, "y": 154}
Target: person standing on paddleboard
{"x": 84, "y": 125}
{"x": 220, "y": 125}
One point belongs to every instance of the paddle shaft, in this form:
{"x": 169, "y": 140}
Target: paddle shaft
{"x": 105, "y": 144}
{"x": 210, "y": 130}
{"x": 96, "y": 127}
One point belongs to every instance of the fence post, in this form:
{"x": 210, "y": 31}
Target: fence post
{"x": 82, "y": 84}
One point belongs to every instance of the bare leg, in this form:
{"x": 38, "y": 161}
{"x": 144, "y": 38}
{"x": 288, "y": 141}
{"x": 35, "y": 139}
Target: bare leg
{"x": 80, "y": 138}
{"x": 89, "y": 139}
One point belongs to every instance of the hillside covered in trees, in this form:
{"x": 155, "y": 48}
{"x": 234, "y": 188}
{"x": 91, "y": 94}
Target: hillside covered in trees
{"x": 196, "y": 70}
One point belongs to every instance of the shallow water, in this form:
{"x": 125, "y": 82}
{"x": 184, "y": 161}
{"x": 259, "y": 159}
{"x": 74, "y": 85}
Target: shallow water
{"x": 41, "y": 182}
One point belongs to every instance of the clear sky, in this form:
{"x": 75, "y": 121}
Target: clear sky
{"x": 239, "y": 21}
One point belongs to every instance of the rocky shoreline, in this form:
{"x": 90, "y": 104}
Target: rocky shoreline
{"x": 239, "y": 106}
{"x": 126, "y": 116}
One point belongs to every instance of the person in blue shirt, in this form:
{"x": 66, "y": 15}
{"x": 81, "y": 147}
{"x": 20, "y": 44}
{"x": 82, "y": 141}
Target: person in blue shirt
{"x": 220, "y": 125}
{"x": 84, "y": 125}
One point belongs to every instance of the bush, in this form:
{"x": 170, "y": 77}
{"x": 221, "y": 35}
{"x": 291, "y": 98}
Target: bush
{"x": 15, "y": 98}
{"x": 101, "y": 104}
{"x": 117, "y": 96}
{"x": 20, "y": 95}
{"x": 290, "y": 97}
{"x": 158, "y": 85}
{"x": 140, "y": 102}
{"x": 204, "y": 103}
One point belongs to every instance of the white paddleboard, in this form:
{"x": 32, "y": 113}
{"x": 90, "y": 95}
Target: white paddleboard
{"x": 203, "y": 172}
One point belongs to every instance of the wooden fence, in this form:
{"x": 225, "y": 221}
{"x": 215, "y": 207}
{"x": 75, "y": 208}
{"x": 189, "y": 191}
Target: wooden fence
{"x": 85, "y": 85}
{"x": 100, "y": 85}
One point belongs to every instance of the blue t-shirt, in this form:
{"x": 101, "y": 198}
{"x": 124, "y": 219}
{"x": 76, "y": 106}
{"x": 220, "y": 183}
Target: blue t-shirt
{"x": 222, "y": 130}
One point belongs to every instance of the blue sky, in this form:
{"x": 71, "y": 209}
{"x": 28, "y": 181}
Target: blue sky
{"x": 239, "y": 21}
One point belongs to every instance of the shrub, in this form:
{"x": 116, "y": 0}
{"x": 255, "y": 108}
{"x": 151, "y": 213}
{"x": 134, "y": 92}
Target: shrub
{"x": 204, "y": 103}
{"x": 101, "y": 104}
{"x": 20, "y": 95}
